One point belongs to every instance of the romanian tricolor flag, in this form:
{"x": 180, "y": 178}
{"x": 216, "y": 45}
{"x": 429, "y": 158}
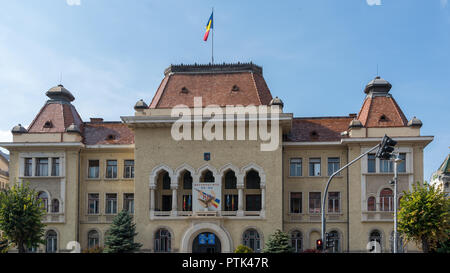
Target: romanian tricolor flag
{"x": 209, "y": 26}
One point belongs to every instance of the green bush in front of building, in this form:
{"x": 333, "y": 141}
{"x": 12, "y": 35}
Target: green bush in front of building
{"x": 243, "y": 249}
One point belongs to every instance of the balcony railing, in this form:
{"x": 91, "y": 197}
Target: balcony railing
{"x": 383, "y": 216}
{"x": 183, "y": 214}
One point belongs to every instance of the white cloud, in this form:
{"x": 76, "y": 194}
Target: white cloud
{"x": 73, "y": 2}
{"x": 373, "y": 2}
{"x": 5, "y": 136}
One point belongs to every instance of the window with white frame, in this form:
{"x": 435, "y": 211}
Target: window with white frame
{"x": 314, "y": 167}
{"x": 163, "y": 240}
{"x": 296, "y": 202}
{"x": 93, "y": 203}
{"x": 386, "y": 166}
{"x": 295, "y": 167}
{"x": 297, "y": 241}
{"x": 41, "y": 166}
{"x": 111, "y": 203}
{"x": 93, "y": 239}
{"x": 314, "y": 202}
{"x": 128, "y": 171}
{"x": 334, "y": 205}
{"x": 333, "y": 165}
{"x": 93, "y": 169}
{"x": 55, "y": 206}
{"x": 28, "y": 167}
{"x": 111, "y": 169}
{"x": 43, "y": 196}
{"x": 371, "y": 163}
{"x": 55, "y": 166}
{"x": 128, "y": 202}
{"x": 252, "y": 240}
{"x": 402, "y": 164}
{"x": 386, "y": 200}
{"x": 51, "y": 241}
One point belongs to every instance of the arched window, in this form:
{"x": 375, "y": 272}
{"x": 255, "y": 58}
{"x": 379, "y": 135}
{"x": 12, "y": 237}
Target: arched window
{"x": 44, "y": 197}
{"x": 55, "y": 206}
{"x": 400, "y": 246}
{"x": 371, "y": 204}
{"x": 336, "y": 241}
{"x": 230, "y": 180}
{"x": 253, "y": 180}
{"x": 187, "y": 181}
{"x": 163, "y": 242}
{"x": 386, "y": 200}
{"x": 375, "y": 235}
{"x": 252, "y": 240}
{"x": 93, "y": 239}
{"x": 207, "y": 176}
{"x": 51, "y": 242}
{"x": 297, "y": 241}
{"x": 166, "y": 181}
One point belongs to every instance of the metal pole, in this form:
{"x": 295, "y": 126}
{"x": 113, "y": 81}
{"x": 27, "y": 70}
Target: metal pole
{"x": 324, "y": 197}
{"x": 396, "y": 161}
{"x": 212, "y": 40}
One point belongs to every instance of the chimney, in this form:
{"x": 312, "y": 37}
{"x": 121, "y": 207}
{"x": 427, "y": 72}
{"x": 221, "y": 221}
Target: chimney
{"x": 96, "y": 120}
{"x": 352, "y": 115}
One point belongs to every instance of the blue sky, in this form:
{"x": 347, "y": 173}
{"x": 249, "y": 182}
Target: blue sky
{"x": 317, "y": 55}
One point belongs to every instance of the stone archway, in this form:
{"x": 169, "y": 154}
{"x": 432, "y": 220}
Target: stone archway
{"x": 194, "y": 231}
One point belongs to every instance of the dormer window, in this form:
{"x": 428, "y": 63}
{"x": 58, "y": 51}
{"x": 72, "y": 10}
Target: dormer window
{"x": 184, "y": 90}
{"x": 235, "y": 88}
{"x": 48, "y": 124}
{"x": 110, "y": 137}
{"x": 383, "y": 118}
{"x": 314, "y": 134}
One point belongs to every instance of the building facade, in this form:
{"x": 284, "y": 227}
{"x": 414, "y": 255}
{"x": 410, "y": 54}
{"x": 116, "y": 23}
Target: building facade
{"x": 4, "y": 174}
{"x": 88, "y": 171}
{"x": 441, "y": 177}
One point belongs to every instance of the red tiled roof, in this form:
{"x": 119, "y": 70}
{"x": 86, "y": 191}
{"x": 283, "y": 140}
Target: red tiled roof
{"x": 215, "y": 88}
{"x": 375, "y": 107}
{"x": 318, "y": 129}
{"x": 98, "y": 133}
{"x": 61, "y": 116}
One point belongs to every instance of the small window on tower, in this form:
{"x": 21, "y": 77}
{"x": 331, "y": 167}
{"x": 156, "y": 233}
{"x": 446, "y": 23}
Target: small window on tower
{"x": 383, "y": 118}
{"x": 48, "y": 124}
{"x": 184, "y": 90}
{"x": 110, "y": 137}
{"x": 314, "y": 134}
{"x": 235, "y": 88}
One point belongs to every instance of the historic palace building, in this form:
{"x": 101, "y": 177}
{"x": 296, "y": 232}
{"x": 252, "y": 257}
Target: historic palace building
{"x": 211, "y": 195}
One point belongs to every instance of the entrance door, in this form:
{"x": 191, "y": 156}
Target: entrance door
{"x": 206, "y": 242}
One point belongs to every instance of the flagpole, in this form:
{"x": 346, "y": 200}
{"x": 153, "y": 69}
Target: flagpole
{"x": 212, "y": 40}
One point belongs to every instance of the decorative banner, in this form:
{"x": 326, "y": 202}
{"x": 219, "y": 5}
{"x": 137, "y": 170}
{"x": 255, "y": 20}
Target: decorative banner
{"x": 206, "y": 196}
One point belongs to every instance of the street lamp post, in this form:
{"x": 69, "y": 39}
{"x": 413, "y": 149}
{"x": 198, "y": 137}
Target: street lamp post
{"x": 397, "y": 160}
{"x": 324, "y": 197}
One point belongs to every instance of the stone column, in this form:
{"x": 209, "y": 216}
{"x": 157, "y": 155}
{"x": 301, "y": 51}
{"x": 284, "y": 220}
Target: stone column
{"x": 174, "y": 200}
{"x": 263, "y": 201}
{"x": 50, "y": 166}
{"x": 33, "y": 166}
{"x": 240, "y": 211}
{"x": 152, "y": 200}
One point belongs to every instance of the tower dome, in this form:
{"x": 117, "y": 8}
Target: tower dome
{"x": 60, "y": 93}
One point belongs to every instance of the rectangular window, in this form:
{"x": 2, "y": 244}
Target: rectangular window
{"x": 253, "y": 202}
{"x": 41, "y": 166}
{"x": 28, "y": 167}
{"x": 295, "y": 167}
{"x": 128, "y": 171}
{"x": 128, "y": 202}
{"x": 296, "y": 202}
{"x": 111, "y": 168}
{"x": 166, "y": 202}
{"x": 111, "y": 203}
{"x": 187, "y": 202}
{"x": 314, "y": 167}
{"x": 55, "y": 166}
{"x": 371, "y": 163}
{"x": 231, "y": 202}
{"x": 333, "y": 165}
{"x": 402, "y": 164}
{"x": 334, "y": 205}
{"x": 314, "y": 202}
{"x": 93, "y": 203}
{"x": 386, "y": 166}
{"x": 94, "y": 168}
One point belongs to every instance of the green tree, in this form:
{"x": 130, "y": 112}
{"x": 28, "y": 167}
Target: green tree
{"x": 424, "y": 216}
{"x": 243, "y": 249}
{"x": 278, "y": 243}
{"x": 21, "y": 214}
{"x": 120, "y": 238}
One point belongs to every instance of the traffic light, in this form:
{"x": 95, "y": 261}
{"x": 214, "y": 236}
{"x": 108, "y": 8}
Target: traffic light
{"x": 329, "y": 240}
{"x": 386, "y": 148}
{"x": 319, "y": 244}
